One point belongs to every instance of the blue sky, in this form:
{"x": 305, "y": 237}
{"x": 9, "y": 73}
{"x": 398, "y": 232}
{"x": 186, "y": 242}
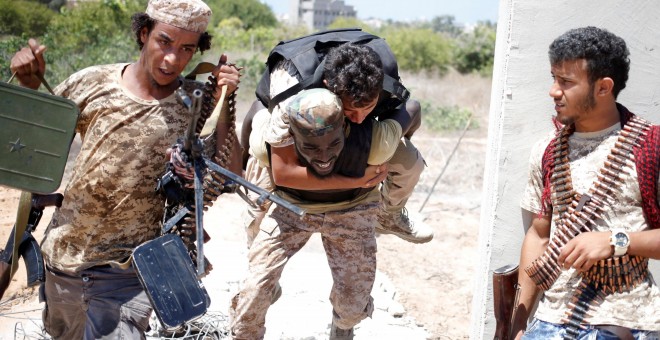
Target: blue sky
{"x": 465, "y": 11}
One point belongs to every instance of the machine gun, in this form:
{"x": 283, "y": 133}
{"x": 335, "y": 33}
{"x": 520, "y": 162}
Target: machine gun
{"x": 178, "y": 299}
{"x": 181, "y": 200}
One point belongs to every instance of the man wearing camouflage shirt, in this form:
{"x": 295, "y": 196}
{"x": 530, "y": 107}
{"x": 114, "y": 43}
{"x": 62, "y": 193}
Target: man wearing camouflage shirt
{"x": 129, "y": 116}
{"x": 345, "y": 218}
{"x": 348, "y": 68}
{"x": 592, "y": 195}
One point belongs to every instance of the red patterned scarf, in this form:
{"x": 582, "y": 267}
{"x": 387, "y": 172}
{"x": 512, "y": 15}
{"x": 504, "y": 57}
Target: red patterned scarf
{"x": 647, "y": 163}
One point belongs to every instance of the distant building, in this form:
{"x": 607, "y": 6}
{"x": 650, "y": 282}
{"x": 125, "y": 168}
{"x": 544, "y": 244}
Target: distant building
{"x": 318, "y": 14}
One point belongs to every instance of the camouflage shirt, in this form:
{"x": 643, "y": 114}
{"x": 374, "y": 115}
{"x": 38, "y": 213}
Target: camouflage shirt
{"x": 110, "y": 205}
{"x": 640, "y": 307}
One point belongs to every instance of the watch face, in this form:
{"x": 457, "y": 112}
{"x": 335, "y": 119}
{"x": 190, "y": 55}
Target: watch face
{"x": 621, "y": 239}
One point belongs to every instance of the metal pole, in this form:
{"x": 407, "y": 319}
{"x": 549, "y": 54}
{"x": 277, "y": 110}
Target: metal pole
{"x": 467, "y": 125}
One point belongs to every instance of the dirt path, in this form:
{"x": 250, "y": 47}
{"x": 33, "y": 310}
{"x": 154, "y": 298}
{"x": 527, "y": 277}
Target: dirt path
{"x": 432, "y": 282}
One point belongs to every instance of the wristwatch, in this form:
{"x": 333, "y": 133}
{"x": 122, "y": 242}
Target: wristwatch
{"x": 620, "y": 240}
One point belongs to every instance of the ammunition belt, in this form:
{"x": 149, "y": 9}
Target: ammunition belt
{"x": 214, "y": 184}
{"x": 617, "y": 274}
{"x": 577, "y": 214}
{"x": 614, "y": 274}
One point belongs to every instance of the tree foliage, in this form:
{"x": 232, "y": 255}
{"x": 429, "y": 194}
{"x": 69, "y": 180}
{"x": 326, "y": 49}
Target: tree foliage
{"x": 476, "y": 50}
{"x": 252, "y": 13}
{"x": 230, "y": 35}
{"x": 446, "y": 24}
{"x": 418, "y": 49}
{"x": 55, "y": 5}
{"x": 92, "y": 33}
{"x": 24, "y": 17}
{"x": 8, "y": 47}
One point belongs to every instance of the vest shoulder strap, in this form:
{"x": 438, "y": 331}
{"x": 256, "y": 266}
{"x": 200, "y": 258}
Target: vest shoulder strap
{"x": 307, "y": 54}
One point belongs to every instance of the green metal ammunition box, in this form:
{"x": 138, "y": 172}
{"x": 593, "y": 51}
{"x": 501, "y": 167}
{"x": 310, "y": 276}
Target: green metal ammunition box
{"x": 36, "y": 130}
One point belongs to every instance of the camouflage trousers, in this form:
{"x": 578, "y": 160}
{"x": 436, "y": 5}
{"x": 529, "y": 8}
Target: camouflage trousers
{"x": 254, "y": 215}
{"x": 404, "y": 170}
{"x": 350, "y": 245}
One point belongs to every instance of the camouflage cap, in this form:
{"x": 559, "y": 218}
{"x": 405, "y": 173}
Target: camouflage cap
{"x": 315, "y": 112}
{"x": 191, "y": 15}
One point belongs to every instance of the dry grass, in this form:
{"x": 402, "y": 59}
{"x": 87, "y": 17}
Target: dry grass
{"x": 466, "y": 90}
{"x": 470, "y": 91}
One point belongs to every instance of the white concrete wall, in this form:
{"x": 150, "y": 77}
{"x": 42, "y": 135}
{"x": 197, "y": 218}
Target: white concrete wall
{"x": 521, "y": 108}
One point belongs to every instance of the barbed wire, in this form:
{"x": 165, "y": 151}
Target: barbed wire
{"x": 211, "y": 326}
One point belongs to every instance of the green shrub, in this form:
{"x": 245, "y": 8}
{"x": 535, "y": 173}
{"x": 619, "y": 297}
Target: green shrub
{"x": 445, "y": 118}
{"x": 419, "y": 49}
{"x": 93, "y": 33}
{"x": 476, "y": 50}
{"x": 252, "y": 13}
{"x": 8, "y": 47}
{"x": 24, "y": 17}
{"x": 342, "y": 22}
{"x": 253, "y": 68}
{"x": 229, "y": 35}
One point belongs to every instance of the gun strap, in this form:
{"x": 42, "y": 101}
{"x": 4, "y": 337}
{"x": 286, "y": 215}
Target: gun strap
{"x": 22, "y": 216}
{"x": 212, "y": 121}
{"x": 41, "y": 77}
{"x": 201, "y": 68}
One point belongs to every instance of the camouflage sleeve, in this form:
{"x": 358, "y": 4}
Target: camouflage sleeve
{"x": 277, "y": 134}
{"x": 531, "y": 199}
{"x": 67, "y": 89}
{"x": 81, "y": 86}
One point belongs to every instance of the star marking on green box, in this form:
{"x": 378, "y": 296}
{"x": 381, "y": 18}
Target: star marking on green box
{"x": 16, "y": 146}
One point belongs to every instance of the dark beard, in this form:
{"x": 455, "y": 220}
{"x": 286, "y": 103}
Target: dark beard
{"x": 589, "y": 102}
{"x": 586, "y": 104}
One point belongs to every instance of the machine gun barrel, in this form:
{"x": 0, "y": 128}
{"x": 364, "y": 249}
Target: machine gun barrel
{"x": 194, "y": 106}
{"x": 263, "y": 194}
{"x": 191, "y": 148}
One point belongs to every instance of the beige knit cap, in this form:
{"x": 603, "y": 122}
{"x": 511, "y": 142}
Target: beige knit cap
{"x": 191, "y": 15}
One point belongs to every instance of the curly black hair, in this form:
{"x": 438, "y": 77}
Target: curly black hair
{"x": 354, "y": 72}
{"x": 606, "y": 54}
{"x": 142, "y": 20}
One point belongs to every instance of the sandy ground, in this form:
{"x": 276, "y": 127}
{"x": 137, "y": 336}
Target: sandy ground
{"x": 423, "y": 291}
{"x": 428, "y": 285}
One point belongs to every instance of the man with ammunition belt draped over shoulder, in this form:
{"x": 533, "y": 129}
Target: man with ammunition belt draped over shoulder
{"x": 129, "y": 116}
{"x": 594, "y": 187}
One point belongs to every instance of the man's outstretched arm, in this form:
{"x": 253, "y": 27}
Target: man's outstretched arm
{"x": 288, "y": 172}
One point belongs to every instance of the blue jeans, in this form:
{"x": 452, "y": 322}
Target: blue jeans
{"x": 542, "y": 330}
